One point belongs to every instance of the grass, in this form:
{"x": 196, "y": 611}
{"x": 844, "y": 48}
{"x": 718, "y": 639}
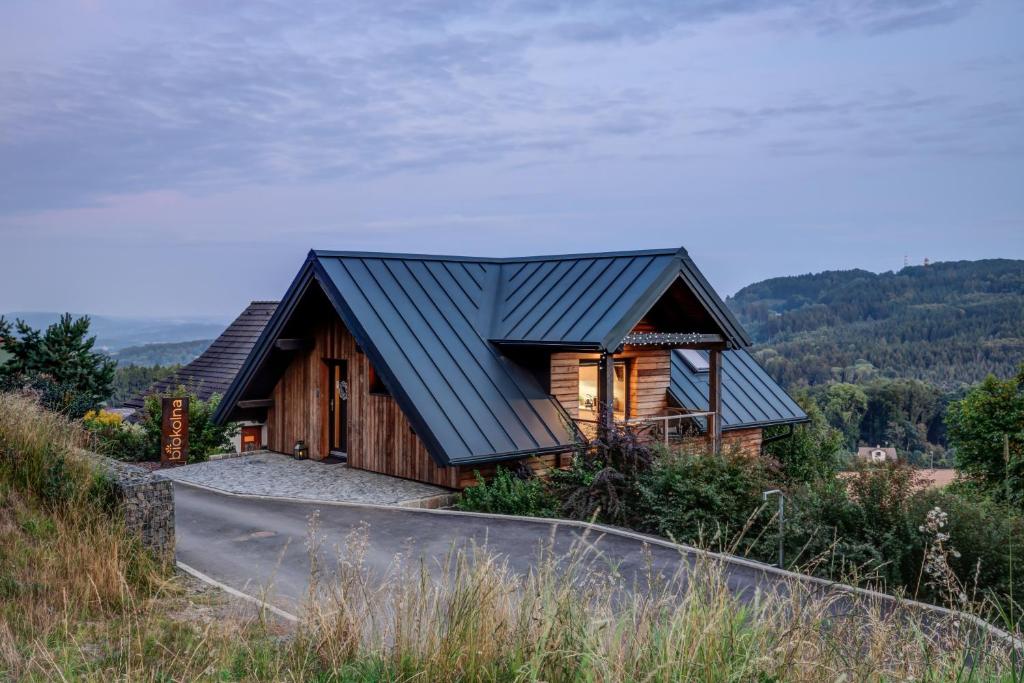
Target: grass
{"x": 79, "y": 601}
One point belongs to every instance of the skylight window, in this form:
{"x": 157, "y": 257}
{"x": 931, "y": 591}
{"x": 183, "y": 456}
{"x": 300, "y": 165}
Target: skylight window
{"x": 697, "y": 361}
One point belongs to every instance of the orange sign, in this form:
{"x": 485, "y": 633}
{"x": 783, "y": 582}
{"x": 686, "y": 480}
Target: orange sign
{"x": 174, "y": 432}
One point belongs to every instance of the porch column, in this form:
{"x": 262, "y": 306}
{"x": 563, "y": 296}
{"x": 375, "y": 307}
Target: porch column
{"x": 605, "y": 393}
{"x": 715, "y": 398}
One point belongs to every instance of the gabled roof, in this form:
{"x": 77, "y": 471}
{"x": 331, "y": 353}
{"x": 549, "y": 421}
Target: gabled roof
{"x": 214, "y": 370}
{"x": 432, "y": 327}
{"x": 750, "y": 397}
{"x": 582, "y": 300}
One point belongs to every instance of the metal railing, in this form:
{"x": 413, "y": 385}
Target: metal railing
{"x": 662, "y": 427}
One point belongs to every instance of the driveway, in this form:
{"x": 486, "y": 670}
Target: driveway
{"x": 253, "y": 544}
{"x": 273, "y": 474}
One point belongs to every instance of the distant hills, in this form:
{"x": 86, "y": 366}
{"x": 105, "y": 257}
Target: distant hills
{"x": 171, "y": 353}
{"x": 948, "y": 323}
{"x": 114, "y": 333}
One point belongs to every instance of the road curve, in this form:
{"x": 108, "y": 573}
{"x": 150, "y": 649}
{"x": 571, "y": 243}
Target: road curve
{"x": 255, "y": 544}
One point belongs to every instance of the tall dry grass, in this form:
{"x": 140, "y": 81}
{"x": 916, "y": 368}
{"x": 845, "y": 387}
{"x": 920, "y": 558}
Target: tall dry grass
{"x": 572, "y": 619}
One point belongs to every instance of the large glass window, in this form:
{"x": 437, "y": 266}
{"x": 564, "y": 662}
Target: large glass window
{"x": 589, "y": 401}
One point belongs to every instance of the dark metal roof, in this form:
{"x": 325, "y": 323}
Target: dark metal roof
{"x": 418, "y": 321}
{"x": 595, "y": 300}
{"x": 427, "y": 324}
{"x": 215, "y": 369}
{"x": 750, "y": 398}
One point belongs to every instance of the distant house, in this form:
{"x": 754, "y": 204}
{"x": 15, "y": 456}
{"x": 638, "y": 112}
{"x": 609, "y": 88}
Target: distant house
{"x": 877, "y": 454}
{"x": 433, "y": 367}
{"x": 214, "y": 370}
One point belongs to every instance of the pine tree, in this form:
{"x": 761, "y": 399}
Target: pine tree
{"x": 60, "y": 363}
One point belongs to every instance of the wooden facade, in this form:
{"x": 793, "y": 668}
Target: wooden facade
{"x": 378, "y": 435}
{"x": 649, "y": 372}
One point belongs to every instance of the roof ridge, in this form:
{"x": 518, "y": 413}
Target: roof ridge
{"x": 328, "y": 253}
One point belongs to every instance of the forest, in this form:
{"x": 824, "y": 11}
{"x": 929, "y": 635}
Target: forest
{"x": 882, "y": 355}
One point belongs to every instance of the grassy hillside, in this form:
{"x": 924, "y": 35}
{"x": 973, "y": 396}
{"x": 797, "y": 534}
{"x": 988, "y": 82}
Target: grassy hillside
{"x": 947, "y": 323}
{"x": 172, "y": 353}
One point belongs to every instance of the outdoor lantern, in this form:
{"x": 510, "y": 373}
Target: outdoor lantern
{"x": 301, "y": 450}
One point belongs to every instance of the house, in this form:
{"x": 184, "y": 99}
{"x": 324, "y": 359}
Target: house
{"x": 213, "y": 370}
{"x": 433, "y": 367}
{"x": 877, "y": 454}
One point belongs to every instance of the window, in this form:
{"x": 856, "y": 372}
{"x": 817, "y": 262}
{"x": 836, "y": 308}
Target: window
{"x": 697, "y": 361}
{"x": 377, "y": 386}
{"x": 589, "y": 402}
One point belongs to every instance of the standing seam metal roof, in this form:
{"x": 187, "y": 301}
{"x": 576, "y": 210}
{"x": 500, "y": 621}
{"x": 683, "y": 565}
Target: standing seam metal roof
{"x": 429, "y": 323}
{"x": 420, "y": 317}
{"x": 750, "y": 397}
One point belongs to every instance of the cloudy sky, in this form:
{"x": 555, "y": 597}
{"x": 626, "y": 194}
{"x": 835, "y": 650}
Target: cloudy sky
{"x": 181, "y": 158}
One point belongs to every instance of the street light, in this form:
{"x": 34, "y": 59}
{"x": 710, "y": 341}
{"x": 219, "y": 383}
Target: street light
{"x": 782, "y": 517}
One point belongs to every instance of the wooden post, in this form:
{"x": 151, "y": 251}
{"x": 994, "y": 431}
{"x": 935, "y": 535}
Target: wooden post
{"x": 606, "y": 393}
{"x": 715, "y": 399}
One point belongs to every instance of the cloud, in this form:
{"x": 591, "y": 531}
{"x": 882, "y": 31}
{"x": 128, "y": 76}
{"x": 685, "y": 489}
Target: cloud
{"x": 273, "y": 92}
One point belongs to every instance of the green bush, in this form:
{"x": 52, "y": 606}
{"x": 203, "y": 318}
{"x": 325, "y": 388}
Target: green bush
{"x": 204, "y": 437}
{"x": 988, "y": 537}
{"x": 705, "y": 499}
{"x": 116, "y": 438}
{"x": 508, "y": 494}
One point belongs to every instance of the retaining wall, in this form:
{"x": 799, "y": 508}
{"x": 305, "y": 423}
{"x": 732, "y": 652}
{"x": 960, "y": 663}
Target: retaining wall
{"x": 146, "y": 501}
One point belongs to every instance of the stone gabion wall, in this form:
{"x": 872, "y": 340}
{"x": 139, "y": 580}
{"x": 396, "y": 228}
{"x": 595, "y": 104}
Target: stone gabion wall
{"x": 147, "y": 503}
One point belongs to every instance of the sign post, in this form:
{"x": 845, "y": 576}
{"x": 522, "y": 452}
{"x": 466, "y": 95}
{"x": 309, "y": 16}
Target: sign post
{"x": 174, "y": 432}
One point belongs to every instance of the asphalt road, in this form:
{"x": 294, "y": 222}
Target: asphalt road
{"x": 254, "y": 545}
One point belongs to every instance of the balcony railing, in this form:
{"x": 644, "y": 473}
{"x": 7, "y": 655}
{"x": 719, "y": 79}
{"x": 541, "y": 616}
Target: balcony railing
{"x": 663, "y": 428}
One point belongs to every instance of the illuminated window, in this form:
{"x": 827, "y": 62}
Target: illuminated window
{"x": 589, "y": 401}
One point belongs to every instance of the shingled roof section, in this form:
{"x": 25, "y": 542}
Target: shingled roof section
{"x": 750, "y": 397}
{"x": 215, "y": 369}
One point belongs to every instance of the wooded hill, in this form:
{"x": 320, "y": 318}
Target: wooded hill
{"x": 949, "y": 324}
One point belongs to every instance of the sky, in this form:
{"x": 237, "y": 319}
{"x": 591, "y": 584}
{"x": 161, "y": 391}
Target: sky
{"x": 181, "y": 158}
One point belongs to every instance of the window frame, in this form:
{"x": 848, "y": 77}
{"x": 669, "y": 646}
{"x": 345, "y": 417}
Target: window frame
{"x": 626, "y": 365}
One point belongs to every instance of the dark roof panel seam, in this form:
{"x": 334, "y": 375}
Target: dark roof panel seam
{"x": 454, "y": 361}
{"x": 534, "y": 312}
{"x": 354, "y": 281}
{"x": 490, "y": 350}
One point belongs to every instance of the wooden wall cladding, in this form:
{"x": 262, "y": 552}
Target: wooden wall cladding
{"x": 380, "y": 438}
{"x": 650, "y": 372}
{"x": 746, "y": 441}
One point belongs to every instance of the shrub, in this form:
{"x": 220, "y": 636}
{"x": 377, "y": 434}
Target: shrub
{"x": 56, "y": 396}
{"x": 204, "y": 436}
{"x": 508, "y": 494}
{"x": 116, "y": 438}
{"x": 602, "y": 483}
{"x": 705, "y": 499}
{"x": 988, "y": 537}
{"x": 811, "y": 452}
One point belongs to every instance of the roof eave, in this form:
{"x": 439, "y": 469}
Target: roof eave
{"x": 262, "y": 346}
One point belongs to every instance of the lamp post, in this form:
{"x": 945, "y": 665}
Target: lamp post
{"x": 782, "y": 517}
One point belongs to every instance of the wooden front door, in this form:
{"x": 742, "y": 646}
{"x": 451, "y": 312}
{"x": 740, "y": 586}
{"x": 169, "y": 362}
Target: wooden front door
{"x": 337, "y": 406}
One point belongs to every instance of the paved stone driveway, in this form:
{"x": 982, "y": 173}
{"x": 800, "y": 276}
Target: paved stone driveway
{"x": 273, "y": 474}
